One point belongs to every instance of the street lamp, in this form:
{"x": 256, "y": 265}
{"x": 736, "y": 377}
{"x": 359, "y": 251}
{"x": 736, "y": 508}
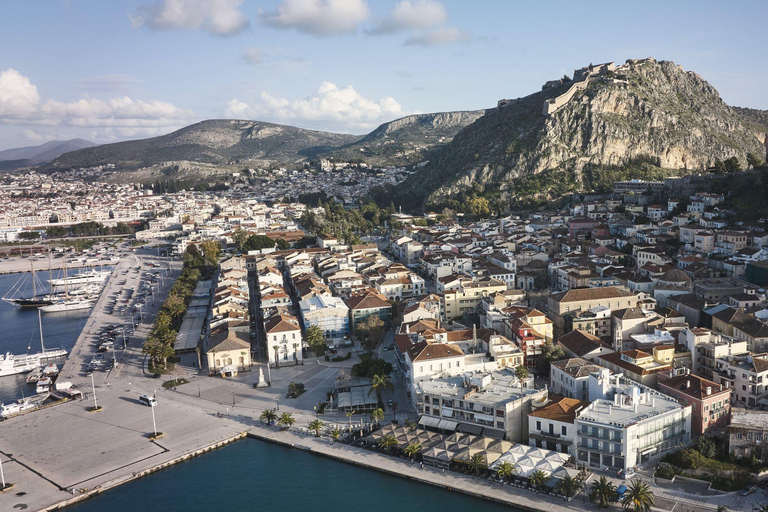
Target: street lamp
{"x": 93, "y": 387}
{"x": 277, "y": 400}
{"x": 154, "y": 424}
{"x": 233, "y": 398}
{"x": 2, "y": 476}
{"x": 198, "y": 391}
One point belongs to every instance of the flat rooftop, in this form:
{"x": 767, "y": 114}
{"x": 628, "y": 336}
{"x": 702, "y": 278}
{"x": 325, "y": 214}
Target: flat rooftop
{"x": 503, "y": 388}
{"x": 606, "y": 411}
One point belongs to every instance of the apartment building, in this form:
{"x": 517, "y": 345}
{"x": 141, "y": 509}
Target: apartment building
{"x": 747, "y": 376}
{"x": 627, "y": 424}
{"x": 467, "y": 298}
{"x": 551, "y": 426}
{"x": 748, "y": 433}
{"x": 330, "y": 314}
{"x": 570, "y": 377}
{"x": 710, "y": 403}
{"x": 584, "y": 299}
{"x": 283, "y": 339}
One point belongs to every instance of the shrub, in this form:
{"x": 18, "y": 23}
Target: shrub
{"x": 665, "y": 471}
{"x": 370, "y": 366}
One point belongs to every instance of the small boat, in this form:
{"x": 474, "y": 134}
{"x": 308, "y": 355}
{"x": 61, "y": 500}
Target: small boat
{"x": 50, "y": 370}
{"x": 33, "y": 377}
{"x": 87, "y": 277}
{"x": 44, "y": 385}
{"x": 17, "y": 407}
{"x": 68, "y": 305}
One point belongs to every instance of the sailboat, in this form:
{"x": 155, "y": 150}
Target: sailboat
{"x": 11, "y": 364}
{"x": 35, "y": 301}
{"x": 68, "y": 304}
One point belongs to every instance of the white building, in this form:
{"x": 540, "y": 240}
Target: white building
{"x": 330, "y": 314}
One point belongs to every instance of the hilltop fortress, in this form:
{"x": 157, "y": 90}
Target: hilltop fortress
{"x": 580, "y": 81}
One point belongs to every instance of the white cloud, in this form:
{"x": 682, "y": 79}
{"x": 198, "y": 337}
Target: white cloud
{"x": 21, "y": 105}
{"x": 217, "y": 17}
{"x": 18, "y": 97}
{"x": 318, "y": 17}
{"x": 330, "y": 108}
{"x": 411, "y": 15}
{"x": 438, "y": 36}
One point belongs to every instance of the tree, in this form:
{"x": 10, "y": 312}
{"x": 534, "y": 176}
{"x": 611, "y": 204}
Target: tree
{"x": 369, "y": 332}
{"x": 410, "y": 424}
{"x": 722, "y": 508}
{"x": 603, "y": 492}
{"x": 550, "y": 352}
{"x": 568, "y": 486}
{"x": 505, "y": 470}
{"x": 166, "y": 351}
{"x": 276, "y": 348}
{"x": 55, "y": 232}
{"x": 268, "y": 416}
{"x": 377, "y": 415}
{"x": 240, "y": 236}
{"x": 413, "y": 449}
{"x": 379, "y": 384}
{"x": 732, "y": 165}
{"x": 706, "y": 447}
{"x": 286, "y": 420}
{"x": 638, "y": 496}
{"x": 174, "y": 305}
{"x": 478, "y": 207}
{"x": 753, "y": 161}
{"x": 211, "y": 250}
{"x": 476, "y": 464}
{"x": 316, "y": 426}
{"x": 151, "y": 348}
{"x": 719, "y": 167}
{"x": 282, "y": 245}
{"x": 28, "y": 235}
{"x": 335, "y": 433}
{"x": 315, "y": 339}
{"x": 388, "y": 442}
{"x": 537, "y": 478}
{"x": 521, "y": 372}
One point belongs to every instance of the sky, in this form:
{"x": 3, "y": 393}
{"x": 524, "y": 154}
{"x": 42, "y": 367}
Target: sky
{"x": 123, "y": 69}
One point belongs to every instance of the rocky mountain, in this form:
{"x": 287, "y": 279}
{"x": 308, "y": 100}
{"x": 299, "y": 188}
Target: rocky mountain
{"x": 218, "y": 141}
{"x": 576, "y": 134}
{"x": 406, "y": 140}
{"x": 17, "y": 158}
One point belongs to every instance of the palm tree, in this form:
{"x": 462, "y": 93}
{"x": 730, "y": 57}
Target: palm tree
{"x": 603, "y": 492}
{"x": 335, "y": 433}
{"x": 268, "y": 416}
{"x": 476, "y": 464}
{"x": 413, "y": 449}
{"x": 295, "y": 357}
{"x": 277, "y": 361}
{"x": 568, "y": 486}
{"x": 377, "y": 415}
{"x": 410, "y": 424}
{"x": 537, "y": 478}
{"x": 388, "y": 442}
{"x": 317, "y": 426}
{"x": 166, "y": 351}
{"x": 521, "y": 372}
{"x": 638, "y": 496}
{"x": 505, "y": 470}
{"x": 286, "y": 420}
{"x": 379, "y": 383}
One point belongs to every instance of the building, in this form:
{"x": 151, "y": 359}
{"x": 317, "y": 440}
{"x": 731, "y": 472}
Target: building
{"x": 489, "y": 404}
{"x": 369, "y": 304}
{"x": 584, "y": 299}
{"x": 467, "y": 298}
{"x": 640, "y": 366}
{"x": 283, "y": 339}
{"x": 570, "y": 377}
{"x": 710, "y": 403}
{"x": 748, "y": 434}
{"x": 330, "y": 314}
{"x": 747, "y": 375}
{"x": 627, "y": 424}
{"x": 584, "y": 345}
{"x": 551, "y": 426}
{"x": 228, "y": 351}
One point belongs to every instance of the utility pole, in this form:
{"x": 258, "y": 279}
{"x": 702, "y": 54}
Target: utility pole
{"x": 93, "y": 387}
{"x": 154, "y": 424}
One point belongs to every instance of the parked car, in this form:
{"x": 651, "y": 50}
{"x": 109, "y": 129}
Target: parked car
{"x": 746, "y": 491}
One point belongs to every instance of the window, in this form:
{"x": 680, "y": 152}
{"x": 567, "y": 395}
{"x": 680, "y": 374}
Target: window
{"x": 563, "y": 430}
{"x": 538, "y": 425}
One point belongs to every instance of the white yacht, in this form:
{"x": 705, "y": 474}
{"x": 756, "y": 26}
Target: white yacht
{"x": 83, "y": 278}
{"x": 68, "y": 305}
{"x": 12, "y": 365}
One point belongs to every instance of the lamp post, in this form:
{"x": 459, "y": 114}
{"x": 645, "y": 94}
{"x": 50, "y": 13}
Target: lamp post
{"x": 154, "y": 424}
{"x": 198, "y": 391}
{"x": 2, "y": 475}
{"x": 233, "y": 399}
{"x": 277, "y": 401}
{"x": 93, "y": 387}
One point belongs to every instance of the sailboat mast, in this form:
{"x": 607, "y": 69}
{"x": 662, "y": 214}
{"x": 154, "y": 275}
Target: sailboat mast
{"x": 34, "y": 285}
{"x": 40, "y": 324}
{"x": 66, "y": 280}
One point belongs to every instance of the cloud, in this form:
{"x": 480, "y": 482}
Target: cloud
{"x": 411, "y": 15}
{"x": 329, "y": 108}
{"x": 18, "y": 97}
{"x": 217, "y": 17}
{"x": 20, "y": 104}
{"x": 438, "y": 36}
{"x": 318, "y": 17}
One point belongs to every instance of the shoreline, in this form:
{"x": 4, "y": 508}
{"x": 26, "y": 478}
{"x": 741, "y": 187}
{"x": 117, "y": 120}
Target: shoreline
{"x": 137, "y": 475}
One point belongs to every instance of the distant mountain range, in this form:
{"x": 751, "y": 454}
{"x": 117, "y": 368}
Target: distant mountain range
{"x": 227, "y": 141}
{"x": 16, "y": 158}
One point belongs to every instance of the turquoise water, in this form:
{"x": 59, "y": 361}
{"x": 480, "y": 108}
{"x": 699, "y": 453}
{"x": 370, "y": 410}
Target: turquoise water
{"x": 257, "y": 475}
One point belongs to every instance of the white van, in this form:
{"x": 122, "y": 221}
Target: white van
{"x": 149, "y": 400}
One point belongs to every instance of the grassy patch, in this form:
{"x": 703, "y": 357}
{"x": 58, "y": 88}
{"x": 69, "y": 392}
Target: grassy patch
{"x": 169, "y": 367}
{"x": 175, "y": 382}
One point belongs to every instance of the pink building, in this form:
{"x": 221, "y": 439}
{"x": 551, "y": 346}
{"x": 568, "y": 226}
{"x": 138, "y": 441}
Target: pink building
{"x": 710, "y": 402}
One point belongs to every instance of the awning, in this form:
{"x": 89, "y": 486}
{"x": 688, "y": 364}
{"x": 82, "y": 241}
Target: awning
{"x": 470, "y": 429}
{"x": 447, "y": 425}
{"x": 483, "y": 417}
{"x": 447, "y": 413}
{"x": 429, "y": 421}
{"x": 494, "y": 433}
